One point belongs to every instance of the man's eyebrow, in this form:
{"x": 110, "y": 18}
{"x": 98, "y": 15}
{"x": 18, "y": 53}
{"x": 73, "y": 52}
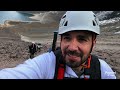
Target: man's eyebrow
{"x": 66, "y": 34}
{"x": 83, "y": 36}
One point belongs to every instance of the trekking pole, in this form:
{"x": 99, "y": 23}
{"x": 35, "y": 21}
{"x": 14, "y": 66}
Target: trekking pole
{"x": 54, "y": 40}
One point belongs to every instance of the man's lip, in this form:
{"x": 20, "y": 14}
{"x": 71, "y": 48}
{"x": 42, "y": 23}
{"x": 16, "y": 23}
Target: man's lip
{"x": 72, "y": 57}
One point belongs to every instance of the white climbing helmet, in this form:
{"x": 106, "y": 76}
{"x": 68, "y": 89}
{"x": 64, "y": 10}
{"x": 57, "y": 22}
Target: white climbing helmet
{"x": 79, "y": 20}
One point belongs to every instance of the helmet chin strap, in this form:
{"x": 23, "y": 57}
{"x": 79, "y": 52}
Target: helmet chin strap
{"x": 87, "y": 65}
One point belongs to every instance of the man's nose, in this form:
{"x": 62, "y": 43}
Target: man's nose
{"x": 73, "y": 45}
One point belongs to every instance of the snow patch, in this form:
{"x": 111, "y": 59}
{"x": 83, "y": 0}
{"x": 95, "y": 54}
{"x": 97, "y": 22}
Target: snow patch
{"x": 117, "y": 32}
{"x": 104, "y": 22}
{"x": 103, "y": 14}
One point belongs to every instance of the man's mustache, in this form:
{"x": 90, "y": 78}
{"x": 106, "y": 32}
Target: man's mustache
{"x": 74, "y": 53}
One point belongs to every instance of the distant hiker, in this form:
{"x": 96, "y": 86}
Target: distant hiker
{"x": 78, "y": 31}
{"x": 39, "y": 47}
{"x": 32, "y": 49}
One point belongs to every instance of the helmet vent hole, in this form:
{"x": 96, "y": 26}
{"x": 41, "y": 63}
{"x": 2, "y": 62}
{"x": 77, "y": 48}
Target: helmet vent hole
{"x": 66, "y": 23}
{"x": 94, "y": 24}
{"x": 94, "y": 15}
{"x": 64, "y": 16}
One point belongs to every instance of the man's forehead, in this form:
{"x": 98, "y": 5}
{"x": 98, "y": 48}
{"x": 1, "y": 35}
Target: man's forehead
{"x": 84, "y": 32}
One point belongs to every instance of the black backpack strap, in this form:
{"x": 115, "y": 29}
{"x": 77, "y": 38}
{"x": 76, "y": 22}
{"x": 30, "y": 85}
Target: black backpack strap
{"x": 59, "y": 62}
{"x": 94, "y": 71}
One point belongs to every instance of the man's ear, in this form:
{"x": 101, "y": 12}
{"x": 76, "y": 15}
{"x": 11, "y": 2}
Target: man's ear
{"x": 94, "y": 39}
{"x": 94, "y": 42}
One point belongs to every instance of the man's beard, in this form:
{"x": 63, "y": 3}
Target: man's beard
{"x": 72, "y": 63}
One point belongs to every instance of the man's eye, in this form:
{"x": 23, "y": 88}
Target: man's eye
{"x": 67, "y": 38}
{"x": 82, "y": 39}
